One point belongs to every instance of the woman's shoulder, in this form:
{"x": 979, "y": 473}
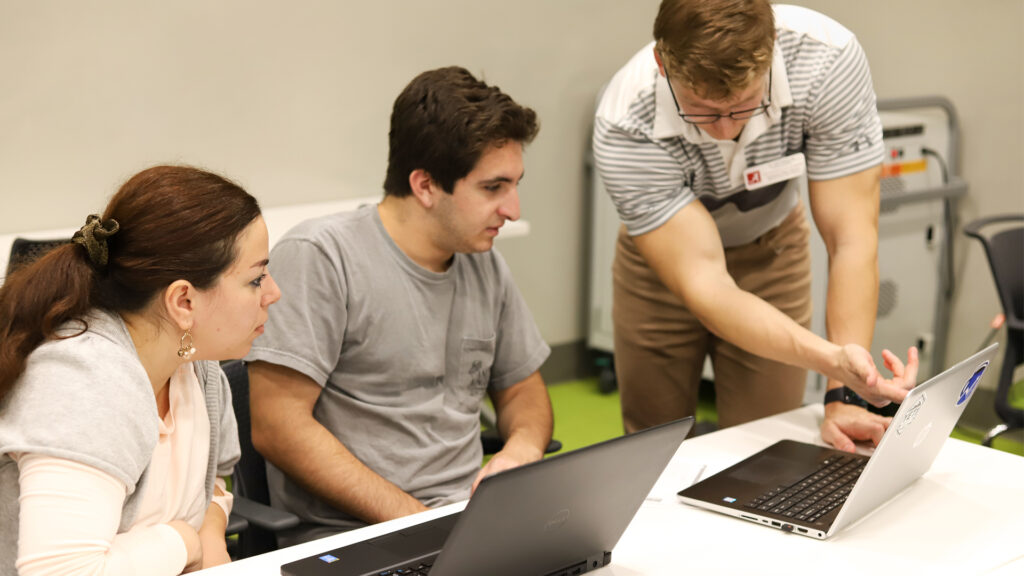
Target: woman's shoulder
{"x": 93, "y": 389}
{"x": 90, "y": 359}
{"x": 92, "y": 344}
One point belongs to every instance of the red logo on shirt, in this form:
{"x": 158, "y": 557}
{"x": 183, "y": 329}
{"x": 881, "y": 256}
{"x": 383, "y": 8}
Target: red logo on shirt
{"x": 754, "y": 178}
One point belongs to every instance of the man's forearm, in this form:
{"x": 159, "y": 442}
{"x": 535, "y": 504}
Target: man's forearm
{"x": 846, "y": 213}
{"x": 524, "y": 415}
{"x": 524, "y": 421}
{"x": 326, "y": 468}
{"x": 288, "y": 436}
{"x": 852, "y": 301}
{"x": 759, "y": 328}
{"x": 687, "y": 255}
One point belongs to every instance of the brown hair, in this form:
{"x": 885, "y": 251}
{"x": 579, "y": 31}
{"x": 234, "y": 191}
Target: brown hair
{"x": 443, "y": 121}
{"x": 715, "y": 47}
{"x": 175, "y": 222}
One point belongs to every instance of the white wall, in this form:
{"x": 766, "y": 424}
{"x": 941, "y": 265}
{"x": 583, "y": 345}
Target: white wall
{"x": 292, "y": 99}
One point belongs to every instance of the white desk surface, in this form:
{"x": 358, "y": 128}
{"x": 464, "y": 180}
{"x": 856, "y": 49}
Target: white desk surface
{"x": 964, "y": 516}
{"x": 279, "y": 220}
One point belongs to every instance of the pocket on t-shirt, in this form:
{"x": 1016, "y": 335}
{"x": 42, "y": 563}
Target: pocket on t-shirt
{"x": 476, "y": 356}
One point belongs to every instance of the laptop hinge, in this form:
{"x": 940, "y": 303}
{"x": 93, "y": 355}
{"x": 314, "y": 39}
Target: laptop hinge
{"x": 591, "y": 563}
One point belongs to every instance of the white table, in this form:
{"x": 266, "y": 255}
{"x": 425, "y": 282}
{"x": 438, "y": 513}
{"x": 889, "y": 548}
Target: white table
{"x": 964, "y": 516}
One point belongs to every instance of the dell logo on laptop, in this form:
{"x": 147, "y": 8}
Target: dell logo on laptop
{"x": 557, "y": 520}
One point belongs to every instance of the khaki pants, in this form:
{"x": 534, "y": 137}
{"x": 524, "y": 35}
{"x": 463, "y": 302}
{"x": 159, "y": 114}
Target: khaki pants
{"x": 660, "y": 346}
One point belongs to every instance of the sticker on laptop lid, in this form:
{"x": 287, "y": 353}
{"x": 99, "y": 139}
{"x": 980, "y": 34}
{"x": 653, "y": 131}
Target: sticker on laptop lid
{"x": 781, "y": 170}
{"x": 971, "y": 385}
{"x": 329, "y": 558}
{"x": 911, "y": 414}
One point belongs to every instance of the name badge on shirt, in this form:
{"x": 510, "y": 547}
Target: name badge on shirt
{"x": 781, "y": 170}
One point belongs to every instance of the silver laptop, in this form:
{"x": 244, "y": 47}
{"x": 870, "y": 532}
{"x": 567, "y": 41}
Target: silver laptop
{"x": 559, "y": 516}
{"x": 817, "y": 491}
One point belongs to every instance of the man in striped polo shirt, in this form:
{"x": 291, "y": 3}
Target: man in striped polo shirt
{"x": 700, "y": 140}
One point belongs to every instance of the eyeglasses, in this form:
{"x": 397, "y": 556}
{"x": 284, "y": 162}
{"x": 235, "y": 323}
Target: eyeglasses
{"x": 712, "y": 118}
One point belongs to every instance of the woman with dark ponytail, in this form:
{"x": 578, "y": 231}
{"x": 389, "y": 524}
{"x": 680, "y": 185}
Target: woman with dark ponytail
{"x": 115, "y": 418}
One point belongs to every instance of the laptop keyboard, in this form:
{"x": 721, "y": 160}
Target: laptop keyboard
{"x": 815, "y": 495}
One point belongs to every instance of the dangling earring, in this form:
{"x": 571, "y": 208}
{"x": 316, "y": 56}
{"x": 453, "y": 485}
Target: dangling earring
{"x": 186, "y": 350}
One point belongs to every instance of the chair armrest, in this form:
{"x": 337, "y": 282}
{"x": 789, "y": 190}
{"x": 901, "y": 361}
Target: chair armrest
{"x": 263, "y": 516}
{"x": 236, "y": 525}
{"x": 493, "y": 443}
{"x": 974, "y": 227}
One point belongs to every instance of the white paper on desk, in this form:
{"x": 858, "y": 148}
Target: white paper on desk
{"x": 680, "y": 474}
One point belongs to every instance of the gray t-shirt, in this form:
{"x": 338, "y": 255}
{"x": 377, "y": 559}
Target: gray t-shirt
{"x": 404, "y": 355}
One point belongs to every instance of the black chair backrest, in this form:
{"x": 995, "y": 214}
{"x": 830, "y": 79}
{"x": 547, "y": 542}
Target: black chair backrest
{"x": 250, "y": 479}
{"x": 1005, "y": 251}
{"x": 25, "y": 251}
{"x": 1007, "y": 259}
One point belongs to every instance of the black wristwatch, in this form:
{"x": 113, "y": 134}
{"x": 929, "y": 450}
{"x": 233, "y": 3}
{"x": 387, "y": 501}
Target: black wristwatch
{"x": 847, "y": 396}
{"x": 835, "y": 395}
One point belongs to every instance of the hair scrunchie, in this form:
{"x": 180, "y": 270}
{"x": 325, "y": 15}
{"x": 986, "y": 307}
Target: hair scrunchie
{"x": 93, "y": 236}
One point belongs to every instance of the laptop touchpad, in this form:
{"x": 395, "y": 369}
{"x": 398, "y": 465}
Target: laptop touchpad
{"x": 770, "y": 470}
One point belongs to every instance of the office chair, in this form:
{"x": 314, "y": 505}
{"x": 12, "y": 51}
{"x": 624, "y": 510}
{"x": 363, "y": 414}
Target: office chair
{"x": 24, "y": 251}
{"x": 491, "y": 439}
{"x": 249, "y": 482}
{"x": 493, "y": 443}
{"x": 1005, "y": 251}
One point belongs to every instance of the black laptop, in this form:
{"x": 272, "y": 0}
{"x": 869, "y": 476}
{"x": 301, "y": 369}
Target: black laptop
{"x": 816, "y": 491}
{"x": 555, "y": 517}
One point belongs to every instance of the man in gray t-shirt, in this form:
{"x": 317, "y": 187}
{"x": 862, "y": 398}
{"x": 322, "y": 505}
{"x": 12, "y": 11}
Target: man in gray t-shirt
{"x": 396, "y": 319}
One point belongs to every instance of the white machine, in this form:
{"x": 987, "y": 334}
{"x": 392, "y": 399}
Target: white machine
{"x": 918, "y": 194}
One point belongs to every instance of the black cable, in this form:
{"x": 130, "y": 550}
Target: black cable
{"x": 947, "y": 209}
{"x": 941, "y": 161}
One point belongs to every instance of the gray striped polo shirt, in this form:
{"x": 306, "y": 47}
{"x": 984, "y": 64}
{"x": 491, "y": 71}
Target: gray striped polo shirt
{"x": 822, "y": 104}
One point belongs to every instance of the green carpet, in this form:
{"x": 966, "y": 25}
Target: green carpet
{"x": 584, "y": 415}
{"x": 1012, "y": 442}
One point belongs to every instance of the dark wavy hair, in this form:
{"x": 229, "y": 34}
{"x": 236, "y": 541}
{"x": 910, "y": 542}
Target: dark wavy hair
{"x": 176, "y": 222}
{"x": 442, "y": 123}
